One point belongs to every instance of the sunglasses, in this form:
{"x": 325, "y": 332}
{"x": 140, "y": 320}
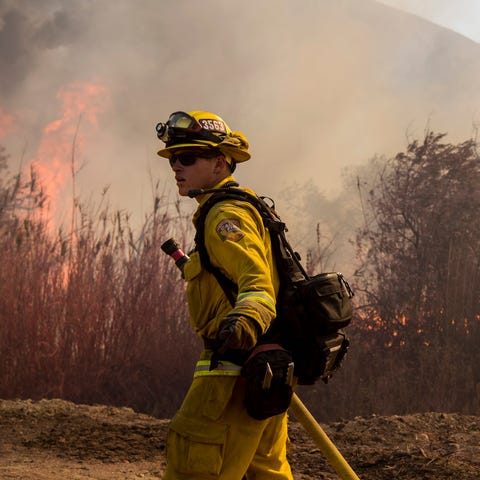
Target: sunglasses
{"x": 189, "y": 158}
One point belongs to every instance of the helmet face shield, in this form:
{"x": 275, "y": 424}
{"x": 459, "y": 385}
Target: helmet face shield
{"x": 184, "y": 121}
{"x": 178, "y": 121}
{"x": 181, "y": 126}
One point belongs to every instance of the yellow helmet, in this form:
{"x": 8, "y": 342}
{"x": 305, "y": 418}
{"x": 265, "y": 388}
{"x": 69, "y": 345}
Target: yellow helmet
{"x": 201, "y": 130}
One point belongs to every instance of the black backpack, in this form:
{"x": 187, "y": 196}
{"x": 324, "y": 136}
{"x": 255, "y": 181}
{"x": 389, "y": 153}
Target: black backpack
{"x": 311, "y": 311}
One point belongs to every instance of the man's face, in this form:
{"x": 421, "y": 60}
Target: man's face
{"x": 194, "y": 171}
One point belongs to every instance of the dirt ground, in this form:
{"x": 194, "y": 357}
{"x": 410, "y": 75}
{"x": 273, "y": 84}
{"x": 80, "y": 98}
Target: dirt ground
{"x": 55, "y": 439}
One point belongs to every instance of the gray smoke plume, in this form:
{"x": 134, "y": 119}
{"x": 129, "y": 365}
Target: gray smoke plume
{"x": 317, "y": 86}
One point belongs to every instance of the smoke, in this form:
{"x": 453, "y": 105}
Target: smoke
{"x": 316, "y": 86}
{"x": 7, "y": 124}
{"x": 15, "y": 58}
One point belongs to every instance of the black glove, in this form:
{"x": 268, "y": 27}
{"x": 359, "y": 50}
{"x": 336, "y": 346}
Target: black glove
{"x": 237, "y": 332}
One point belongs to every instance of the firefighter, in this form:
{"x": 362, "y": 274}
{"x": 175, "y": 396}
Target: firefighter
{"x": 212, "y": 436}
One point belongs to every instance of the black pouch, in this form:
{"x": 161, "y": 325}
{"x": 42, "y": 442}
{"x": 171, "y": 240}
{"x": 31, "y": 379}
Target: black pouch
{"x": 326, "y": 359}
{"x": 324, "y": 303}
{"x": 312, "y": 317}
{"x": 269, "y": 381}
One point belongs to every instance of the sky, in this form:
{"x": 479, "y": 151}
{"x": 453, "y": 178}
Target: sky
{"x": 317, "y": 86}
{"x": 462, "y": 16}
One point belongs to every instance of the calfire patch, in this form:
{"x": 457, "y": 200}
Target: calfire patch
{"x": 229, "y": 229}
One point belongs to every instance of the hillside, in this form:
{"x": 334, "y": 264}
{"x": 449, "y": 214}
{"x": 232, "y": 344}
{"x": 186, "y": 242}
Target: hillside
{"x": 55, "y": 439}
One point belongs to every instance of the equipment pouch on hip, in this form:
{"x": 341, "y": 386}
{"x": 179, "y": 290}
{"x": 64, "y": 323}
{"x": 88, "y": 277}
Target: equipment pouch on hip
{"x": 269, "y": 381}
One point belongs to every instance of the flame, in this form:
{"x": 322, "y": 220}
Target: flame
{"x": 7, "y": 123}
{"x": 64, "y": 138}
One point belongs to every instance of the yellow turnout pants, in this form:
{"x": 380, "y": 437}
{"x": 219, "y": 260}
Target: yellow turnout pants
{"x": 213, "y": 437}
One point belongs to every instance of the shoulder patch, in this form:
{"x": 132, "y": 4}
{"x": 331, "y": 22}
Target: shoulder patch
{"x": 229, "y": 229}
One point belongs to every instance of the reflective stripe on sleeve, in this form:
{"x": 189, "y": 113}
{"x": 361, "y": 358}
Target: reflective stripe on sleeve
{"x": 259, "y": 297}
{"x": 223, "y": 368}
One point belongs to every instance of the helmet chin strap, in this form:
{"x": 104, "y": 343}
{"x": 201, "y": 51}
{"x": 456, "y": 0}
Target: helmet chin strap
{"x": 202, "y": 191}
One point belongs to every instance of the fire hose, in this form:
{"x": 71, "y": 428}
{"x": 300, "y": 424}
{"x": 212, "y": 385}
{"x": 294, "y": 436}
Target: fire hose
{"x": 320, "y": 438}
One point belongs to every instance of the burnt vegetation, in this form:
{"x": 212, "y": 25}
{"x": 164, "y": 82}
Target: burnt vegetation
{"x": 97, "y": 314}
{"x": 94, "y": 315}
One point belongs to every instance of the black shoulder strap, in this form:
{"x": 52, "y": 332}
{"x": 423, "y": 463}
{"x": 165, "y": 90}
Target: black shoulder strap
{"x": 288, "y": 262}
{"x": 229, "y": 287}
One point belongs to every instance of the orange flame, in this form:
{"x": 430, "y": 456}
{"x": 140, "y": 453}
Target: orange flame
{"x": 63, "y": 139}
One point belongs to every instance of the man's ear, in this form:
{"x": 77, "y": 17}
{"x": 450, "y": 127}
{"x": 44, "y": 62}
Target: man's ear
{"x": 220, "y": 163}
